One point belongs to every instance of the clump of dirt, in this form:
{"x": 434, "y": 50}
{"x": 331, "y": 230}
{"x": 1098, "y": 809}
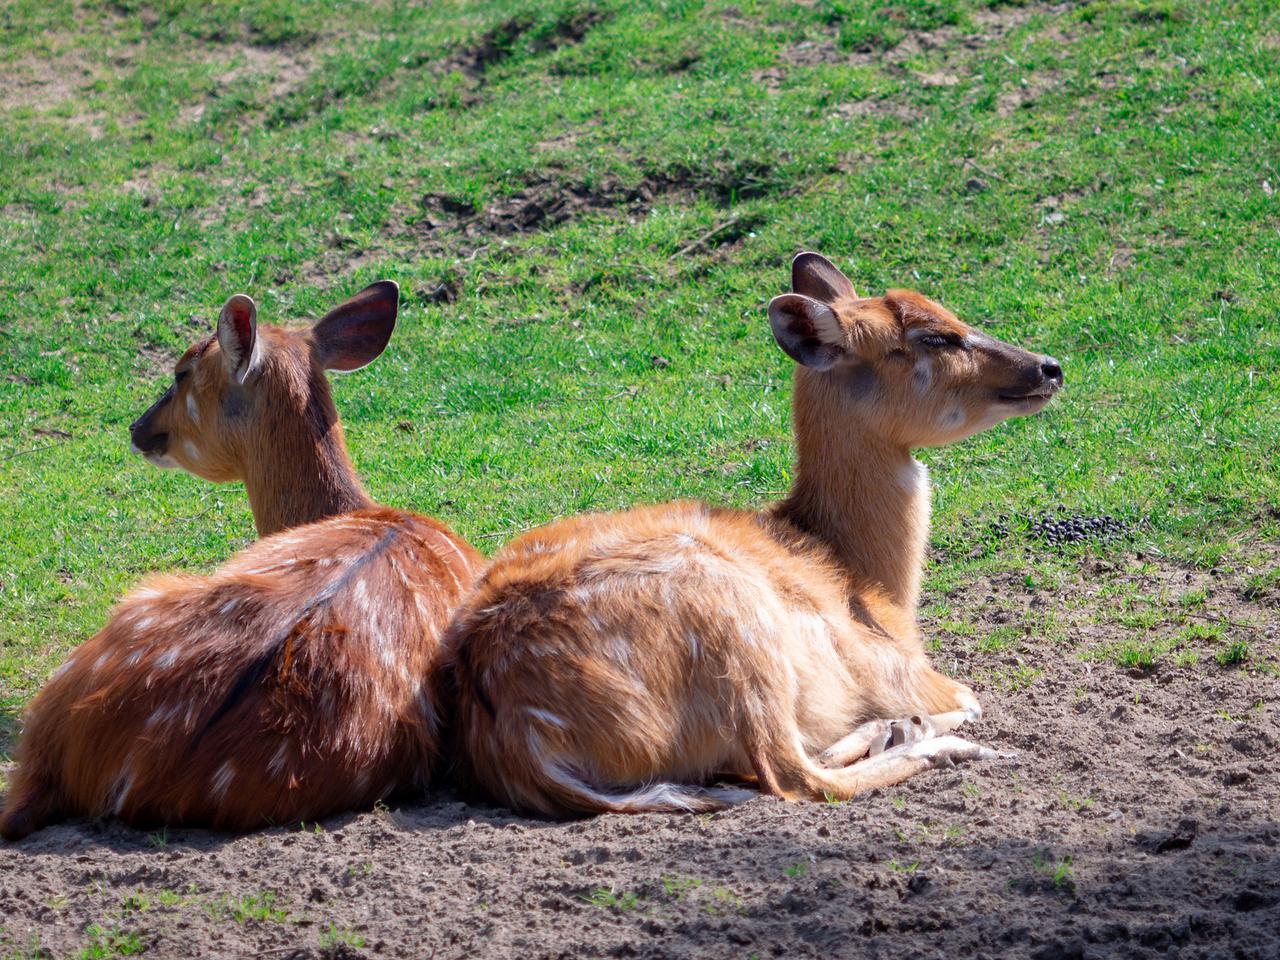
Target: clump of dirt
{"x": 1027, "y": 93}
{"x": 284, "y": 69}
{"x": 879, "y": 108}
{"x": 474, "y": 60}
{"x": 491, "y": 48}
{"x": 549, "y": 201}
{"x": 43, "y": 84}
{"x": 992, "y": 23}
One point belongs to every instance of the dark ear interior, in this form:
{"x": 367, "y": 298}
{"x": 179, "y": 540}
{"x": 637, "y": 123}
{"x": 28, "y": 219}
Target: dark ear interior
{"x": 807, "y": 330}
{"x": 352, "y": 335}
{"x": 815, "y": 276}
{"x": 238, "y": 335}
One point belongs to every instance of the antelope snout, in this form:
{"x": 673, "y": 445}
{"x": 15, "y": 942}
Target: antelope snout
{"x": 146, "y": 441}
{"x": 1051, "y": 371}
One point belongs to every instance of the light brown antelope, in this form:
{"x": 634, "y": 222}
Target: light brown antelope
{"x": 618, "y": 662}
{"x": 298, "y": 679}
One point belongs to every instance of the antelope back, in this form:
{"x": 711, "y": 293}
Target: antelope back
{"x": 295, "y": 681}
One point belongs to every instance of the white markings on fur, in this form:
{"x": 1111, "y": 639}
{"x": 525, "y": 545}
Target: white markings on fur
{"x": 951, "y": 417}
{"x": 229, "y": 606}
{"x": 222, "y": 780}
{"x": 101, "y": 661}
{"x": 914, "y": 478}
{"x": 656, "y": 796}
{"x": 619, "y": 649}
{"x": 276, "y": 766}
{"x": 163, "y": 714}
{"x": 168, "y": 658}
{"x": 386, "y": 649}
{"x": 426, "y": 613}
{"x": 123, "y": 784}
{"x": 191, "y": 450}
{"x": 448, "y": 541}
{"x": 547, "y": 717}
{"x": 132, "y": 659}
{"x": 193, "y": 411}
{"x": 405, "y": 580}
{"x": 361, "y": 591}
{"x": 695, "y": 645}
{"x": 272, "y": 566}
{"x": 143, "y": 623}
{"x": 66, "y": 665}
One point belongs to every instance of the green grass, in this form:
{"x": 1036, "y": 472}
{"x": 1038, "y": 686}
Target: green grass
{"x": 113, "y": 942}
{"x": 262, "y": 907}
{"x": 611, "y": 899}
{"x": 334, "y": 937}
{"x": 1098, "y": 183}
{"x": 1237, "y": 652}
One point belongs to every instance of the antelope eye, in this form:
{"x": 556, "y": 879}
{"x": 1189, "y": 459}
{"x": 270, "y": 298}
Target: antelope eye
{"x": 938, "y": 340}
{"x": 181, "y": 375}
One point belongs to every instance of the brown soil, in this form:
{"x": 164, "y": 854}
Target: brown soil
{"x": 1138, "y": 819}
{"x": 546, "y": 202}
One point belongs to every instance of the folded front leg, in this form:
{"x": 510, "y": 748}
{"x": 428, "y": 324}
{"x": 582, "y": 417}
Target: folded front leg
{"x": 876, "y": 736}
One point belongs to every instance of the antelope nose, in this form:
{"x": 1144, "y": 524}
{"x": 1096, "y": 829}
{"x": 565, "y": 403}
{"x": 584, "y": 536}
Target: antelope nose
{"x": 1052, "y": 370}
{"x": 143, "y": 440}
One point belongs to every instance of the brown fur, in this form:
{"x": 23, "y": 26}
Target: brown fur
{"x": 620, "y": 661}
{"x": 298, "y": 679}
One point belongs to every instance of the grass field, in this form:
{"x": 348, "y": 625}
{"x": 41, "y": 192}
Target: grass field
{"x": 586, "y": 207}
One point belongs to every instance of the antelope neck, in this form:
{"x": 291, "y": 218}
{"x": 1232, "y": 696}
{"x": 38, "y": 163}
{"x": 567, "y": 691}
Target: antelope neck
{"x": 304, "y": 479}
{"x": 867, "y": 500}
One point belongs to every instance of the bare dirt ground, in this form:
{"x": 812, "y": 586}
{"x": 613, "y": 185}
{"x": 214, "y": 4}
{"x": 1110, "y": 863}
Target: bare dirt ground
{"x": 1139, "y": 819}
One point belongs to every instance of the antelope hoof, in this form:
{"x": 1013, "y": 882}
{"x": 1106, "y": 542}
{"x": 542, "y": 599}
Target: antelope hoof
{"x": 857, "y": 745}
{"x": 904, "y": 733}
{"x": 947, "y": 751}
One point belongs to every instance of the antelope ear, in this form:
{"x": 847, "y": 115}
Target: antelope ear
{"x": 352, "y": 335}
{"x": 238, "y": 336}
{"x": 815, "y": 276}
{"x": 807, "y": 330}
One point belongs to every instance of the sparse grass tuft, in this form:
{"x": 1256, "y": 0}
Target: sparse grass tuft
{"x": 333, "y": 937}
{"x": 609, "y": 898}
{"x": 110, "y": 942}
{"x": 260, "y": 907}
{"x": 1234, "y": 654}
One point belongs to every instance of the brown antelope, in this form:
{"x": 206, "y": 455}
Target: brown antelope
{"x": 298, "y": 679}
{"x": 617, "y": 662}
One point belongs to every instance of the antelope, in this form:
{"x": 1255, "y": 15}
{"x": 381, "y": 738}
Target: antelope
{"x": 295, "y": 681}
{"x": 621, "y": 661}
